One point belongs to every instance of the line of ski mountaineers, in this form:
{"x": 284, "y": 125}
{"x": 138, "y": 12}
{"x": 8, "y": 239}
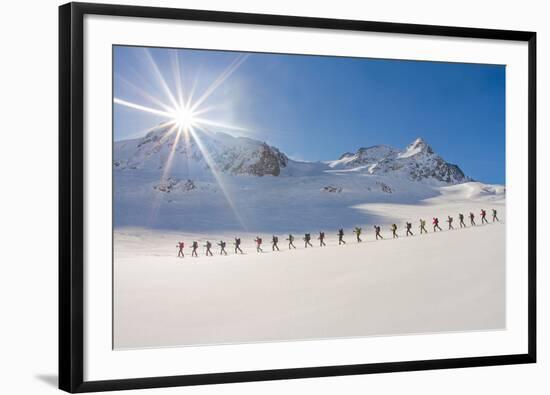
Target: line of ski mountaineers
{"x": 307, "y": 237}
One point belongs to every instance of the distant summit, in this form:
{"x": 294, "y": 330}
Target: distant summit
{"x": 417, "y": 162}
{"x": 416, "y": 147}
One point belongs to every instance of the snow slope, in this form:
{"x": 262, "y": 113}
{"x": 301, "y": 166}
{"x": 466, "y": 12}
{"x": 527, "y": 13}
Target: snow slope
{"x": 242, "y": 184}
{"x": 226, "y": 187}
{"x": 448, "y": 281}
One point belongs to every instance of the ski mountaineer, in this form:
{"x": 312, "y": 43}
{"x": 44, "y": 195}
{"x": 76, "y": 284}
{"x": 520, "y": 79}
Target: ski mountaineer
{"x": 394, "y": 231}
{"x": 461, "y": 218}
{"x": 208, "y": 245}
{"x": 377, "y": 232}
{"x": 408, "y": 226}
{"x": 450, "y": 221}
{"x": 423, "y": 226}
{"x": 495, "y": 215}
{"x": 321, "y": 239}
{"x": 341, "y": 236}
{"x": 291, "y": 242}
{"x": 435, "y": 223}
{"x": 357, "y": 232}
{"x": 258, "y": 241}
{"x": 194, "y": 246}
{"x": 483, "y": 215}
{"x": 472, "y": 222}
{"x": 222, "y": 247}
{"x": 307, "y": 240}
{"x": 274, "y": 242}
{"x": 180, "y": 252}
{"x": 237, "y": 244}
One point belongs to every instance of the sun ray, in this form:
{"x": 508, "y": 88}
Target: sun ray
{"x": 168, "y": 133}
{"x": 168, "y": 163}
{"x": 204, "y": 110}
{"x": 142, "y": 92}
{"x": 176, "y": 68}
{"x": 217, "y": 176}
{"x": 208, "y": 122}
{"x": 160, "y": 78}
{"x": 187, "y": 141}
{"x": 220, "y": 80}
{"x": 142, "y": 133}
{"x": 192, "y": 91}
{"x": 165, "y": 173}
{"x": 141, "y": 108}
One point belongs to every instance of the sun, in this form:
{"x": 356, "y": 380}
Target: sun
{"x": 183, "y": 117}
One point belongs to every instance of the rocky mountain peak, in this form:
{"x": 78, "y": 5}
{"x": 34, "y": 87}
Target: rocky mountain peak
{"x": 207, "y": 153}
{"x": 418, "y": 146}
{"x": 417, "y": 162}
{"x": 204, "y": 152}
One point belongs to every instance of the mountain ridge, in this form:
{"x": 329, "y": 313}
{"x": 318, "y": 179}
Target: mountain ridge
{"x": 218, "y": 152}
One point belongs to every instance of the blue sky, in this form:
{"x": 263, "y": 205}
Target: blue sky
{"x": 318, "y": 107}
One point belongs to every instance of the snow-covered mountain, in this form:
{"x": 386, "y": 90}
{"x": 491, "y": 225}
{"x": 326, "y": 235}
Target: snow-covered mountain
{"x": 234, "y": 155}
{"x": 418, "y": 162}
{"x": 364, "y": 156}
{"x": 246, "y": 156}
{"x": 166, "y": 181}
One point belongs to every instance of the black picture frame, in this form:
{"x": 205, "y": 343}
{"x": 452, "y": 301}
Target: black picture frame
{"x": 71, "y": 204}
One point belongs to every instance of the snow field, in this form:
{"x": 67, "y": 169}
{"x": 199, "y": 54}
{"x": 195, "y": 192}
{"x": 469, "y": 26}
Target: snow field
{"x": 445, "y": 281}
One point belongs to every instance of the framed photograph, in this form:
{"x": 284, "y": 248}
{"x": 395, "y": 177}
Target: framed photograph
{"x": 251, "y": 197}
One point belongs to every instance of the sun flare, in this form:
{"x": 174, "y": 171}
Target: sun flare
{"x": 184, "y": 117}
